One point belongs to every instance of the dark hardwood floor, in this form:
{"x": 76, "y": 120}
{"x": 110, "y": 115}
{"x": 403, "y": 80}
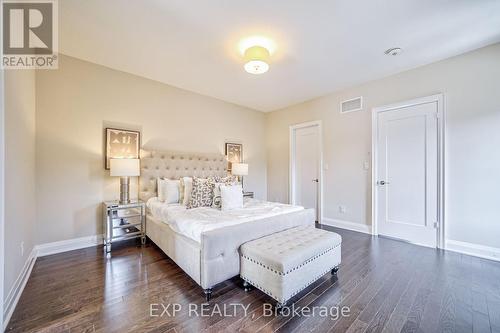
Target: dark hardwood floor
{"x": 388, "y": 286}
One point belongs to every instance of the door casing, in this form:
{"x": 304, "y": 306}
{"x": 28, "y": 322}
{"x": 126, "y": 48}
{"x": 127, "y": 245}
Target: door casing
{"x": 291, "y": 185}
{"x": 2, "y": 191}
{"x": 439, "y": 99}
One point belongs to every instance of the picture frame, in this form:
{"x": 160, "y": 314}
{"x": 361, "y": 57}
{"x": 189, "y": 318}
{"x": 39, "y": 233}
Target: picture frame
{"x": 121, "y": 143}
{"x": 234, "y": 153}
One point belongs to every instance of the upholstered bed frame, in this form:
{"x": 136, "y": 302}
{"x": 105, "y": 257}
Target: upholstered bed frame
{"x": 216, "y": 258}
{"x": 175, "y": 165}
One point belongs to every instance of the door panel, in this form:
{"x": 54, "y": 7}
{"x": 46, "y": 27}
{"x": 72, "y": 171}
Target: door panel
{"x": 307, "y": 167}
{"x": 407, "y": 179}
{"x": 405, "y": 146}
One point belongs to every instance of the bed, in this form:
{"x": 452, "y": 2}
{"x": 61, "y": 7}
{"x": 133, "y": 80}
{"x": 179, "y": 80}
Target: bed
{"x": 207, "y": 248}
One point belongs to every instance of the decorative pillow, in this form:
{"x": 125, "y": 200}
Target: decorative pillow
{"x": 231, "y": 197}
{"x": 181, "y": 190}
{"x": 168, "y": 190}
{"x": 229, "y": 180}
{"x": 160, "y": 191}
{"x": 216, "y": 202}
{"x": 186, "y": 189}
{"x": 203, "y": 193}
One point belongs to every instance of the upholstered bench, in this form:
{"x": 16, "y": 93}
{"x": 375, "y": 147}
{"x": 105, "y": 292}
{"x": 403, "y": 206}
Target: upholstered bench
{"x": 284, "y": 263}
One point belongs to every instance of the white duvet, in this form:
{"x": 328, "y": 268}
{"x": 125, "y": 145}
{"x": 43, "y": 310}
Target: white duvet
{"x": 194, "y": 222}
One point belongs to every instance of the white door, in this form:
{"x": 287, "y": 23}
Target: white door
{"x": 407, "y": 173}
{"x": 306, "y": 167}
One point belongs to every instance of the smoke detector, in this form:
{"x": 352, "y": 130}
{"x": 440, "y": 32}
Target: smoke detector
{"x": 393, "y": 51}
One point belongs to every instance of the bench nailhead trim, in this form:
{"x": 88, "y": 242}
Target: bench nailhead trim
{"x": 293, "y": 269}
{"x": 256, "y": 285}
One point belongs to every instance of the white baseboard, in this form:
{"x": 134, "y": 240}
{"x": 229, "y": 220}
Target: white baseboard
{"x": 18, "y": 287}
{"x": 366, "y": 229}
{"x": 476, "y": 250}
{"x": 68, "y": 245}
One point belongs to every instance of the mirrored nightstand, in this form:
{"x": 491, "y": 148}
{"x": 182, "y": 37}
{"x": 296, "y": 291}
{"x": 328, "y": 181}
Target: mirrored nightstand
{"x": 123, "y": 221}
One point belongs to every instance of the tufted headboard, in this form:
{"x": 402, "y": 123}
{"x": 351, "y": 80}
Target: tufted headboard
{"x": 174, "y": 165}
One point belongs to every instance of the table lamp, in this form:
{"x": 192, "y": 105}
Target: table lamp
{"x": 124, "y": 168}
{"x": 240, "y": 170}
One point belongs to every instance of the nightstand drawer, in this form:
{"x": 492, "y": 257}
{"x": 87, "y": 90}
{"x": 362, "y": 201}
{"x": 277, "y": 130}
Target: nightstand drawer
{"x": 121, "y": 222}
{"x": 126, "y": 212}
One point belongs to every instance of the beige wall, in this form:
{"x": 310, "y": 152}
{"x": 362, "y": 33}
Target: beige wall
{"x": 76, "y": 102}
{"x": 470, "y": 83}
{"x": 19, "y": 172}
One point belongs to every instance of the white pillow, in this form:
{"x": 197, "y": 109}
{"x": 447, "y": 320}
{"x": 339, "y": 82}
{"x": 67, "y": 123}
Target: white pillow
{"x": 229, "y": 180}
{"x": 160, "y": 190}
{"x": 231, "y": 196}
{"x": 168, "y": 190}
{"x": 187, "y": 185}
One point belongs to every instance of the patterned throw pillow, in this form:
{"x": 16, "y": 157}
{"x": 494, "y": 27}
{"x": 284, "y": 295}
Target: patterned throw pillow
{"x": 203, "y": 193}
{"x": 216, "y": 202}
{"x": 229, "y": 180}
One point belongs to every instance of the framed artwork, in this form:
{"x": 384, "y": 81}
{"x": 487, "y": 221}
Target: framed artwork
{"x": 234, "y": 153}
{"x": 121, "y": 143}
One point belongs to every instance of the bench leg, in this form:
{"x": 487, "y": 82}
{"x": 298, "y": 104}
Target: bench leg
{"x": 247, "y": 286}
{"x": 335, "y": 270}
{"x": 208, "y": 294}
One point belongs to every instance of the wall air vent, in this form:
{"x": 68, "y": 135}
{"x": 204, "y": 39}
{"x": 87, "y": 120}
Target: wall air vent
{"x": 351, "y": 105}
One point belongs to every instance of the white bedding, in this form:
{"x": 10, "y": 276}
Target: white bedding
{"x": 194, "y": 222}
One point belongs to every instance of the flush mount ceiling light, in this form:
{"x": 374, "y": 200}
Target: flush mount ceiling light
{"x": 256, "y": 60}
{"x": 393, "y": 51}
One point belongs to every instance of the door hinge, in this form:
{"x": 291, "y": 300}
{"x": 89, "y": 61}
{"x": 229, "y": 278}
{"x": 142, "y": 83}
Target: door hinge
{"x": 436, "y": 225}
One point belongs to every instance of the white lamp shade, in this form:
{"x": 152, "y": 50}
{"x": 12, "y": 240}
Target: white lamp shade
{"x": 239, "y": 169}
{"x": 124, "y": 167}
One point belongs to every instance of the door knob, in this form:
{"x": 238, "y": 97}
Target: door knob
{"x": 316, "y": 180}
{"x": 382, "y": 182}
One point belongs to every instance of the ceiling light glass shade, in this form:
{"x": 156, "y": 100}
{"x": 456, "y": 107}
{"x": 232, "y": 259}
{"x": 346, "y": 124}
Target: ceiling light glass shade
{"x": 256, "y": 67}
{"x": 256, "y": 60}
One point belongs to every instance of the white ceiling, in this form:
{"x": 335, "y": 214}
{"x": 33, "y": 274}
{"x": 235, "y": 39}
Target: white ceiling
{"x": 322, "y": 46}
